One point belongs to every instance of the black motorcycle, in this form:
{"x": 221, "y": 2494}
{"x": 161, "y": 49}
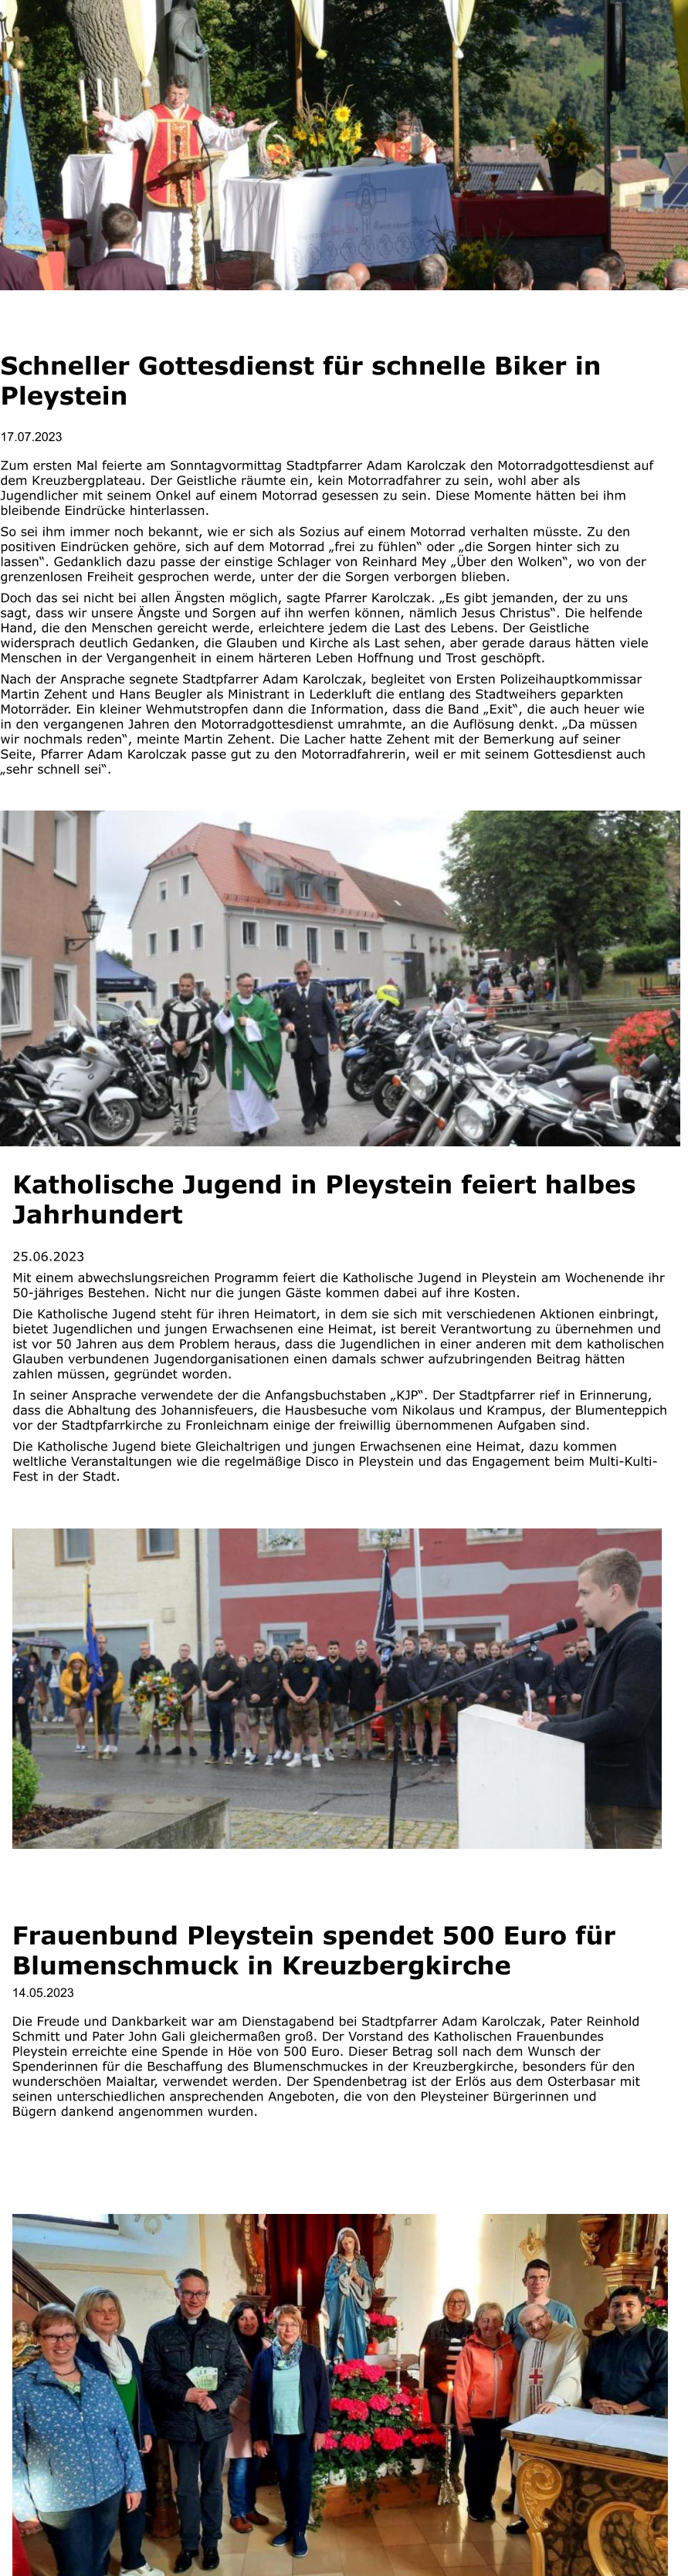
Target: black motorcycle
{"x": 144, "y": 1072}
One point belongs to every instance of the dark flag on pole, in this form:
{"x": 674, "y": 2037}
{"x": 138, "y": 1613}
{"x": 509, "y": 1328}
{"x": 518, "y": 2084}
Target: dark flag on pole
{"x": 385, "y": 1622}
{"x": 95, "y": 1670}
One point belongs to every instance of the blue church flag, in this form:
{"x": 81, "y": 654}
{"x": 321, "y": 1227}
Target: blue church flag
{"x": 23, "y": 228}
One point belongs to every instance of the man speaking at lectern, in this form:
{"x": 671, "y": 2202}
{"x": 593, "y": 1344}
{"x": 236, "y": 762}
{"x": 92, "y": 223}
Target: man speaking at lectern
{"x": 619, "y": 1720}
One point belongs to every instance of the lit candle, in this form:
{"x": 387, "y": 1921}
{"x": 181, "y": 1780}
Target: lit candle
{"x": 299, "y": 2289}
{"x": 115, "y": 94}
{"x": 99, "y": 96}
{"x": 398, "y": 2338}
{"x": 82, "y": 98}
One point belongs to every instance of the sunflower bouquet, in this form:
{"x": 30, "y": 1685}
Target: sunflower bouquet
{"x": 156, "y": 1695}
{"x": 327, "y": 136}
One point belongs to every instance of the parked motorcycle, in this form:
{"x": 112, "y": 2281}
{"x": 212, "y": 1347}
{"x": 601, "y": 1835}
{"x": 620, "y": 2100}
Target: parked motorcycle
{"x": 144, "y": 1072}
{"x": 387, "y": 1039}
{"x": 27, "y": 1120}
{"x": 78, "y": 1076}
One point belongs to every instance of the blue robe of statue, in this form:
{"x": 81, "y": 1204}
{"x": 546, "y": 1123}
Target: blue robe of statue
{"x": 347, "y": 2296}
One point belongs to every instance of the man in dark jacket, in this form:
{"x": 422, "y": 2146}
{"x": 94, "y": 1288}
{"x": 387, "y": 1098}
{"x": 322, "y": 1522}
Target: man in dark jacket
{"x": 572, "y": 1674}
{"x": 144, "y": 1663}
{"x": 187, "y": 1677}
{"x": 425, "y": 1677}
{"x": 532, "y": 1670}
{"x": 259, "y": 1690}
{"x": 108, "y": 1712}
{"x": 620, "y": 1716}
{"x": 307, "y": 1013}
{"x": 300, "y": 1684}
{"x": 364, "y": 1678}
{"x": 121, "y": 271}
{"x": 335, "y": 1673}
{"x": 192, "y": 2371}
{"x": 22, "y": 1695}
{"x": 220, "y": 1686}
{"x": 626, "y": 2372}
{"x": 290, "y": 2415}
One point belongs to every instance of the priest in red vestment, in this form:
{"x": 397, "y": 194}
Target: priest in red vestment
{"x": 173, "y": 131}
{"x": 397, "y": 146}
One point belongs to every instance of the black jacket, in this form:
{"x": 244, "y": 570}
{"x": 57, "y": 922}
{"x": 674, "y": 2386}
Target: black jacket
{"x": 222, "y": 1674}
{"x": 571, "y": 1675}
{"x": 336, "y": 1678}
{"x": 299, "y": 1677}
{"x": 315, "y": 2394}
{"x": 313, "y": 1016}
{"x": 533, "y": 1667}
{"x": 423, "y": 1674}
{"x": 186, "y": 1675}
{"x": 620, "y": 1718}
{"x": 364, "y": 1678}
{"x": 109, "y": 1669}
{"x": 260, "y": 1681}
{"x": 171, "y": 2352}
{"x": 187, "y": 1021}
{"x": 435, "y": 2345}
{"x": 629, "y": 2366}
{"x": 23, "y": 1678}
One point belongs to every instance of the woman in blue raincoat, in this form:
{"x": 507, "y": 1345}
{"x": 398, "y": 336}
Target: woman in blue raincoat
{"x": 347, "y": 2296}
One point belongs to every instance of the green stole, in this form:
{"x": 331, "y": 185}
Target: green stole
{"x": 263, "y": 1057}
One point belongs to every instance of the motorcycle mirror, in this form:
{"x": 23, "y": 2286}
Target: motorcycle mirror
{"x": 650, "y": 1067}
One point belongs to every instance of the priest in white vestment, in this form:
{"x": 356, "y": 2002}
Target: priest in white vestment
{"x": 550, "y": 2373}
{"x": 174, "y": 130}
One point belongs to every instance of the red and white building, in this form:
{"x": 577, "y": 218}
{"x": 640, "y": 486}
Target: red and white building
{"x": 279, "y": 1584}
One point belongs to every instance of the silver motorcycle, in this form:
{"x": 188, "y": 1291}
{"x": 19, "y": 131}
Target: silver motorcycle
{"x": 80, "y": 1078}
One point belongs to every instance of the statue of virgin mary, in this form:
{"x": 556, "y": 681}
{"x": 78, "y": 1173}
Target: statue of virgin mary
{"x": 347, "y": 2296}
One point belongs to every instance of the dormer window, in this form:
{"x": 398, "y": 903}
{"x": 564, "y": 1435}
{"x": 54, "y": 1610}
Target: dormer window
{"x": 303, "y": 889}
{"x": 331, "y": 890}
{"x": 274, "y": 884}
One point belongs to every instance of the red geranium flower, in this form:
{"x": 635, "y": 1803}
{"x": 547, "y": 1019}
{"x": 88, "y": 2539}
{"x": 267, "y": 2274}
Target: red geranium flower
{"x": 387, "y": 2440}
{"x": 355, "y": 2442}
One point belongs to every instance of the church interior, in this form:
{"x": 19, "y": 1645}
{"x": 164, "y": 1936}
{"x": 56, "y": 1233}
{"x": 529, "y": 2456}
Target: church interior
{"x": 403, "y": 2384}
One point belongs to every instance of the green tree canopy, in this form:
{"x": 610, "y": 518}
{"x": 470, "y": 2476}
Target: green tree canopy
{"x": 526, "y": 880}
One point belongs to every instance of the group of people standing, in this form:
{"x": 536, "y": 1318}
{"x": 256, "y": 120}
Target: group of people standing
{"x": 481, "y": 2374}
{"x": 248, "y": 1030}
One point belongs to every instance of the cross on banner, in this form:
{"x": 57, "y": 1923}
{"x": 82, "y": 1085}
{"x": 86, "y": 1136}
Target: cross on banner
{"x": 364, "y": 197}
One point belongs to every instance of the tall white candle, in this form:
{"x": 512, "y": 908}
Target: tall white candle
{"x": 398, "y": 2338}
{"x": 115, "y": 94}
{"x": 99, "y": 96}
{"x": 82, "y": 98}
{"x": 299, "y": 2289}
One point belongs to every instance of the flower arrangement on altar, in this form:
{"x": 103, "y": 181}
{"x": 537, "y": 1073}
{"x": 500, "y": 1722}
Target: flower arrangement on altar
{"x": 380, "y": 2328}
{"x": 160, "y": 1694}
{"x": 375, "y": 2434}
{"x": 327, "y": 135}
{"x": 564, "y": 140}
{"x": 646, "y": 1033}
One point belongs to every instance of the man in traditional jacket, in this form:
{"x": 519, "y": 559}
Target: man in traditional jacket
{"x": 248, "y": 1054}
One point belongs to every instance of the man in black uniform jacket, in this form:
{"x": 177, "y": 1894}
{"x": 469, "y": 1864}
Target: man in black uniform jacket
{"x": 143, "y": 1664}
{"x": 572, "y": 1674}
{"x": 183, "y": 2350}
{"x": 364, "y": 1679}
{"x": 220, "y": 1684}
{"x": 307, "y": 1013}
{"x": 183, "y": 1026}
{"x": 620, "y": 1716}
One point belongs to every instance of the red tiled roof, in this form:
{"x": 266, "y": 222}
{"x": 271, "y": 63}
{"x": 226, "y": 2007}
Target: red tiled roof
{"x": 642, "y": 239}
{"x": 223, "y": 856}
{"x": 399, "y": 902}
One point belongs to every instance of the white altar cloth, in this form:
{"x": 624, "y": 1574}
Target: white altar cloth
{"x": 648, "y": 2434}
{"x": 318, "y": 222}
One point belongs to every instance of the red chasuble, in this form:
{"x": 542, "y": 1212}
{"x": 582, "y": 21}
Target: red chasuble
{"x": 393, "y": 151}
{"x": 175, "y": 136}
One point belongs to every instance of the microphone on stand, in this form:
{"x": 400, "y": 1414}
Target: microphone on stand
{"x": 205, "y": 147}
{"x": 557, "y": 1628}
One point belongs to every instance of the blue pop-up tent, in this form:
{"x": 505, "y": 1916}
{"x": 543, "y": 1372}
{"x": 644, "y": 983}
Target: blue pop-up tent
{"x": 113, "y": 977}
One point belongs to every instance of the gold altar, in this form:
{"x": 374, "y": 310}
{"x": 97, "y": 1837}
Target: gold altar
{"x": 596, "y": 2507}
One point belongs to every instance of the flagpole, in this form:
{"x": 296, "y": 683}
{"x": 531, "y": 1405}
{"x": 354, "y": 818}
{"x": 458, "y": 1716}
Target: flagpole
{"x": 456, "y": 120}
{"x": 419, "y": 1581}
{"x": 96, "y": 1738}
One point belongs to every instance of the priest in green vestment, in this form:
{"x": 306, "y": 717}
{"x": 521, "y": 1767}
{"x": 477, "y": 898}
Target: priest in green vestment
{"x": 248, "y": 1054}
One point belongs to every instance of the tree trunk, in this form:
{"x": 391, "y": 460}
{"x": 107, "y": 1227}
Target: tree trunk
{"x": 100, "y": 35}
{"x": 575, "y": 988}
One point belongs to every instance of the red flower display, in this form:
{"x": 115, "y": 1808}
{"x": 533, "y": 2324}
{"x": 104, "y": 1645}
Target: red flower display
{"x": 369, "y": 2370}
{"x": 355, "y": 2442}
{"x": 354, "y": 2407}
{"x": 647, "y": 1033}
{"x": 387, "y": 2440}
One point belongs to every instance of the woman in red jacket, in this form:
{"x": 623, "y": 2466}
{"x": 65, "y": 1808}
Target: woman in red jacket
{"x": 483, "y": 2385}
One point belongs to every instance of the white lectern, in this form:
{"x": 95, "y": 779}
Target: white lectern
{"x": 518, "y": 1790}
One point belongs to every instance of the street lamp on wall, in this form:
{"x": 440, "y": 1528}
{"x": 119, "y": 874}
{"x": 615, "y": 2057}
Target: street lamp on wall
{"x": 93, "y": 919}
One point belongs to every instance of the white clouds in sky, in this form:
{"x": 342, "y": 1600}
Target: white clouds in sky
{"x": 392, "y": 841}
